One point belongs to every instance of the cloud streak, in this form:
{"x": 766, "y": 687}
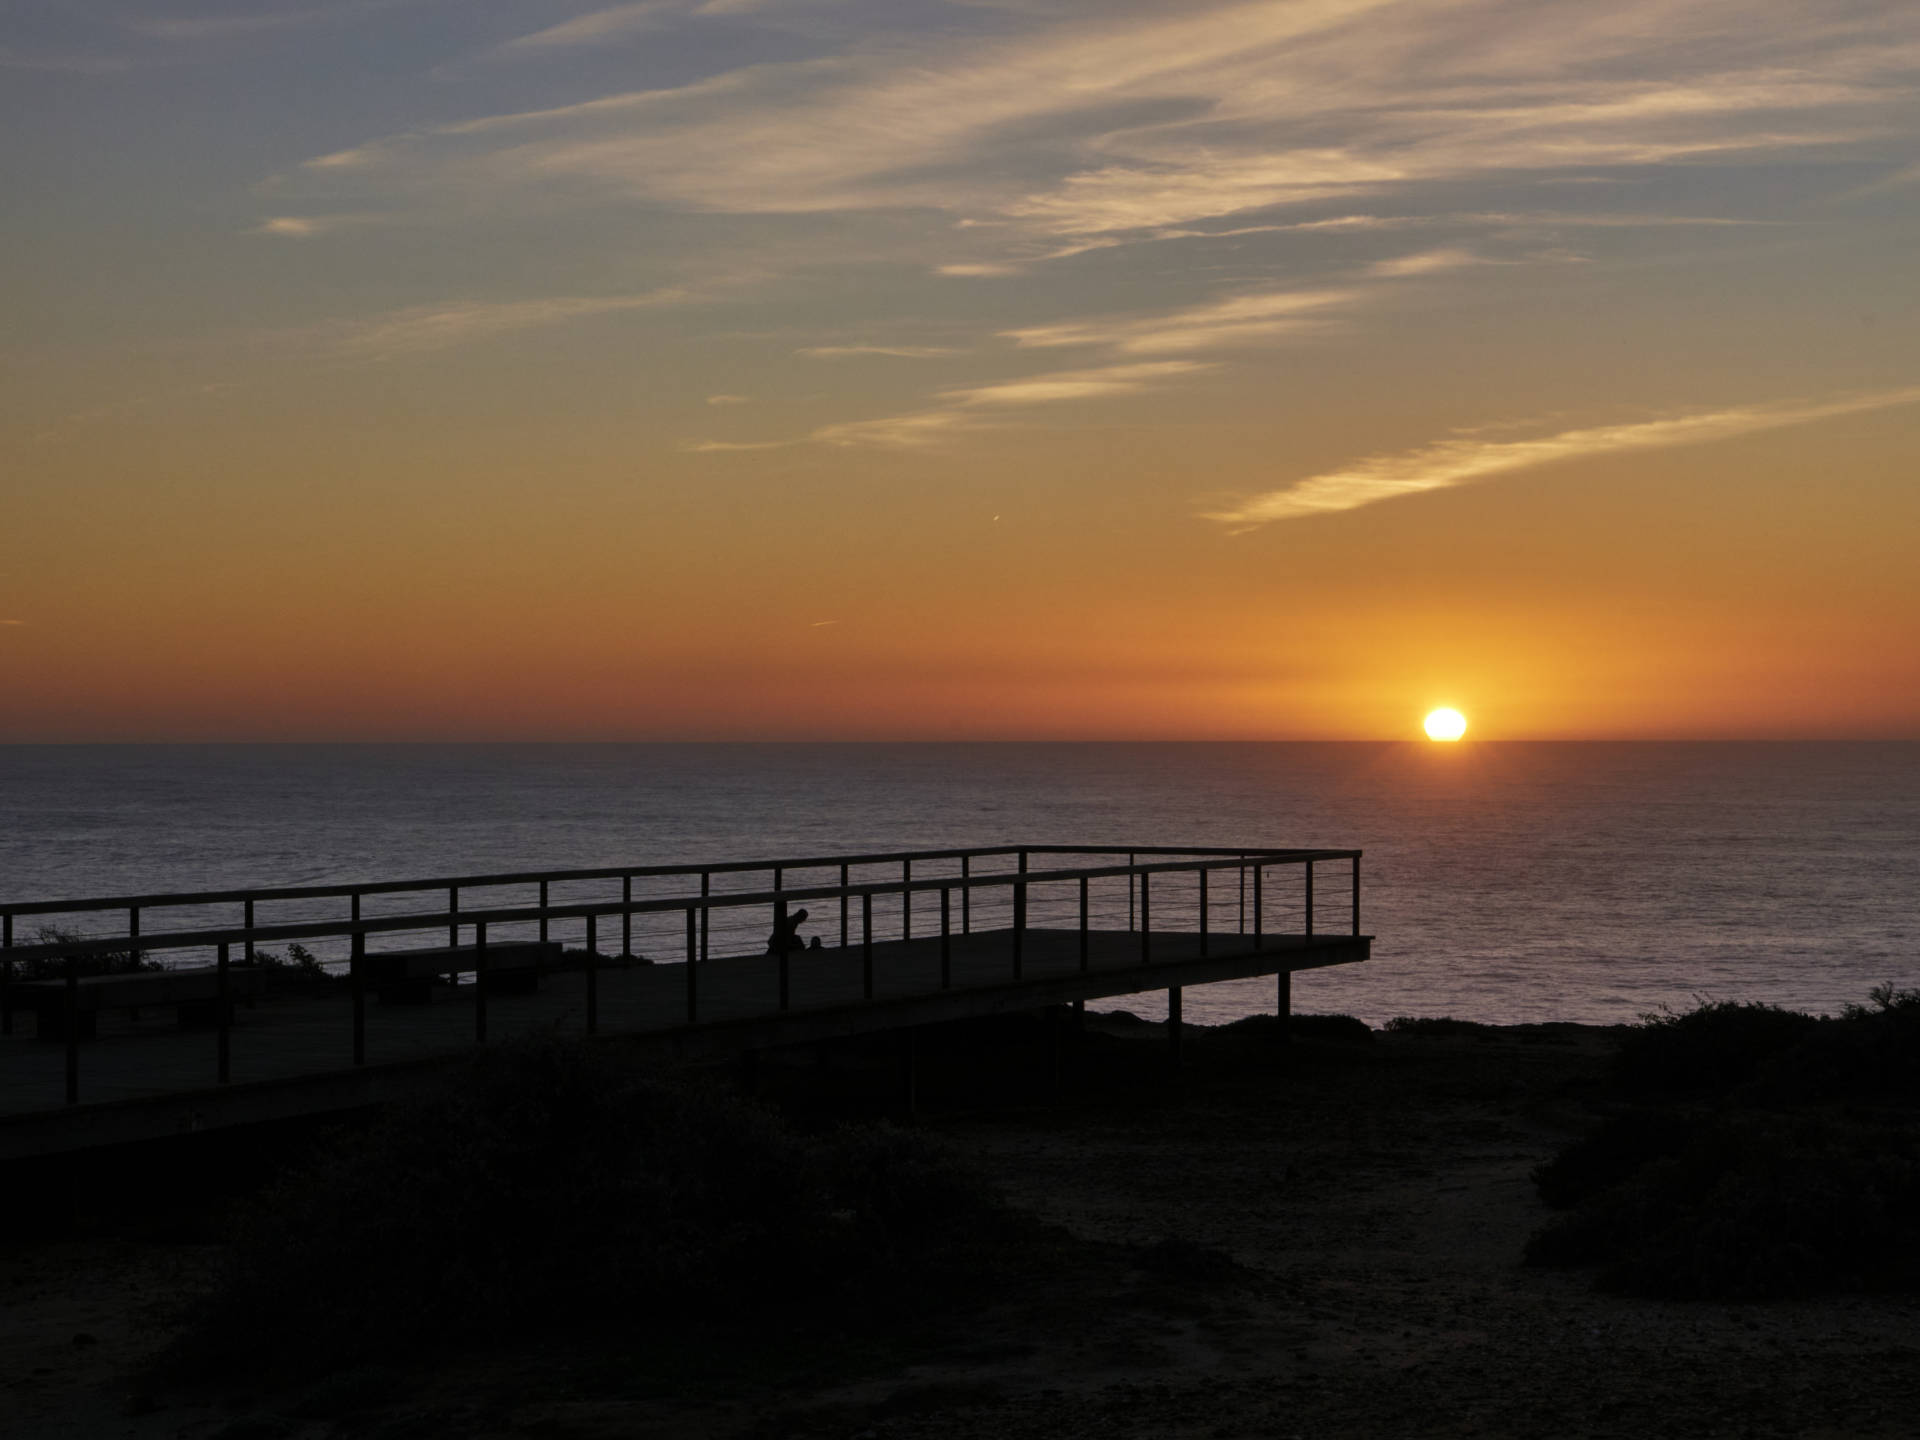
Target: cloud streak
{"x": 1451, "y": 463}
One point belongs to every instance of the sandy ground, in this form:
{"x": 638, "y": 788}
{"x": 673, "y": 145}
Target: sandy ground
{"x": 1326, "y": 1245}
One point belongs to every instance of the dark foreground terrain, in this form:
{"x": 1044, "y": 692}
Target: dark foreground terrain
{"x": 1324, "y": 1239}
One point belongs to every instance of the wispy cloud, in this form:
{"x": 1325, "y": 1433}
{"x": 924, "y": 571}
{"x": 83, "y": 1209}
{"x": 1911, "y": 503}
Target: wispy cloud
{"x": 1462, "y": 461}
{"x": 897, "y": 352}
{"x": 595, "y": 27}
{"x": 1233, "y": 321}
{"x": 729, "y": 399}
{"x": 421, "y": 328}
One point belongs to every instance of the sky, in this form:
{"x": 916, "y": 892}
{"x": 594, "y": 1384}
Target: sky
{"x": 959, "y": 369}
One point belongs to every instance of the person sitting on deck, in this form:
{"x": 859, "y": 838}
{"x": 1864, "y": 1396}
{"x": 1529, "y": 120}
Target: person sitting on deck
{"x": 786, "y": 934}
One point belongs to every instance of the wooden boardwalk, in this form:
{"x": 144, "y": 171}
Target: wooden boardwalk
{"x": 292, "y": 1056}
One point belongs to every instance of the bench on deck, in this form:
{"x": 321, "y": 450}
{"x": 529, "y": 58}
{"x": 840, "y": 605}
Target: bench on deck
{"x": 407, "y": 977}
{"x": 194, "y": 992}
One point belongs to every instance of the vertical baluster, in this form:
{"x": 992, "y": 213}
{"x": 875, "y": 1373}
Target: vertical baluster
{"x": 73, "y": 1029}
{"x": 626, "y": 917}
{"x": 946, "y": 941}
{"x": 780, "y": 944}
{"x": 706, "y": 914}
{"x": 543, "y": 912}
{"x": 1259, "y": 911}
{"x": 453, "y": 917}
{"x": 223, "y": 998}
{"x": 1146, "y": 917}
{"x": 866, "y": 943}
{"x": 966, "y": 896}
{"x": 6, "y": 974}
{"x": 1356, "y": 892}
{"x": 1203, "y": 911}
{"x": 843, "y": 907}
{"x": 480, "y": 982}
{"x": 593, "y": 974}
{"x": 1083, "y": 924}
{"x": 1309, "y": 899}
{"x": 906, "y": 899}
{"x": 693, "y": 970}
{"x": 357, "y": 979}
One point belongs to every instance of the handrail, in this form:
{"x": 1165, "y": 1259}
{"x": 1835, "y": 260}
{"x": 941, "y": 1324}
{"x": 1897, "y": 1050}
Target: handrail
{"x": 82, "y": 905}
{"x": 579, "y": 910}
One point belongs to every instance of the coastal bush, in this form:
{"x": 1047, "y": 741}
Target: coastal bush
{"x": 1344, "y": 1029}
{"x": 1437, "y": 1027}
{"x": 1752, "y": 1206}
{"x": 1762, "y": 1153}
{"x": 1706, "y": 1050}
{"x": 554, "y": 1188}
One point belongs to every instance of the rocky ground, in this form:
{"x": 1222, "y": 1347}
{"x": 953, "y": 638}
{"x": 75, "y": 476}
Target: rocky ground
{"x": 1318, "y": 1243}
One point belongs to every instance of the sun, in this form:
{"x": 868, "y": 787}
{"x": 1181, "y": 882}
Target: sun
{"x": 1446, "y": 725}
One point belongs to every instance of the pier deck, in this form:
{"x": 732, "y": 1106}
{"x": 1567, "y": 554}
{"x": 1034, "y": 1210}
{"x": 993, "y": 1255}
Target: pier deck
{"x": 145, "y": 1077}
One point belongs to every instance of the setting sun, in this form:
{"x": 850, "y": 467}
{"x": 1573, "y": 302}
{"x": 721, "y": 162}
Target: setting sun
{"x": 1446, "y": 725}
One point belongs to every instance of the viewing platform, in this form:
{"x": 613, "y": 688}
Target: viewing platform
{"x": 224, "y": 1024}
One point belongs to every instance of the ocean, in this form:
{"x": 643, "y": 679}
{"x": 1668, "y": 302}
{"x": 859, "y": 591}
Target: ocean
{"x": 1504, "y": 882}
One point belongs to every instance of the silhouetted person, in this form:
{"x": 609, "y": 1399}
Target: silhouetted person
{"x": 785, "y": 938}
{"x": 813, "y": 943}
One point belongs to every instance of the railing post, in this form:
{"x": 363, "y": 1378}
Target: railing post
{"x": 1146, "y": 918}
{"x": 1019, "y": 926}
{"x": 73, "y": 1029}
{"x": 946, "y": 940}
{"x": 626, "y": 917}
{"x": 1259, "y": 911}
{"x": 480, "y": 983}
{"x": 246, "y": 952}
{"x": 6, "y": 974}
{"x": 906, "y": 899}
{"x": 866, "y": 944}
{"x": 593, "y": 974}
{"x": 1203, "y": 911}
{"x": 1083, "y": 924}
{"x": 1309, "y": 899}
{"x": 453, "y": 912}
{"x": 1176, "y": 1008}
{"x": 1356, "y": 893}
{"x": 843, "y": 907}
{"x": 966, "y": 895}
{"x": 706, "y": 914}
{"x": 357, "y": 979}
{"x": 133, "y": 933}
{"x": 224, "y": 1001}
{"x": 1283, "y": 1003}
{"x": 780, "y": 944}
{"x": 693, "y": 969}
{"x": 1243, "y": 894}
{"x": 1130, "y": 880}
{"x": 543, "y": 912}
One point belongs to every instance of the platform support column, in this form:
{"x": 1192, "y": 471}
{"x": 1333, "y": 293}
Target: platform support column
{"x": 1283, "y": 1004}
{"x": 1175, "y": 1023}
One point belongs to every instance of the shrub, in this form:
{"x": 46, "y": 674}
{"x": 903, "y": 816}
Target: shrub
{"x": 1707, "y": 1050}
{"x": 1753, "y": 1206}
{"x": 104, "y": 962}
{"x": 552, "y": 1188}
{"x": 1344, "y": 1029}
{"x": 1437, "y": 1026}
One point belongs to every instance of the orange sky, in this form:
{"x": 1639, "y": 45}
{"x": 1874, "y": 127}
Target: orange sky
{"x": 1055, "y": 371}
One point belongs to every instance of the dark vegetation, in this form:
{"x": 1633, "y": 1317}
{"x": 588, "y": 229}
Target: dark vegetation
{"x": 557, "y": 1188}
{"x": 105, "y": 962}
{"x": 1751, "y": 1152}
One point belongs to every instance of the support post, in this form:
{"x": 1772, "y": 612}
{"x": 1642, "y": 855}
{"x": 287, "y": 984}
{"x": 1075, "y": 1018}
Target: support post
{"x": 1356, "y": 893}
{"x": 843, "y": 907}
{"x": 1176, "y": 1011}
{"x": 966, "y": 895}
{"x": 224, "y": 1006}
{"x": 6, "y": 974}
{"x": 453, "y": 912}
{"x": 706, "y": 913}
{"x": 1309, "y": 899}
{"x": 1284, "y": 1004}
{"x": 246, "y": 949}
{"x": 906, "y": 899}
{"x": 543, "y": 912}
{"x": 626, "y": 917}
{"x": 1259, "y": 912}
